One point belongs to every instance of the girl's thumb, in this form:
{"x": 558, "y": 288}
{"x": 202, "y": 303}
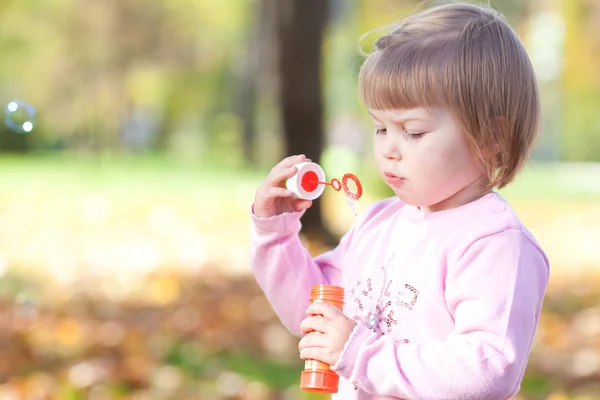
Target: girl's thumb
{"x": 300, "y": 205}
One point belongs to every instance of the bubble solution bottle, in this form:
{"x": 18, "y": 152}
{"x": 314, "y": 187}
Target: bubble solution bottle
{"x": 317, "y": 376}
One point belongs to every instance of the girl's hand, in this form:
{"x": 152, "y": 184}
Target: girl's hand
{"x": 272, "y": 198}
{"x": 332, "y": 329}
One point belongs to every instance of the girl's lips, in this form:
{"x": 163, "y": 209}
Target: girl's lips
{"x": 393, "y": 180}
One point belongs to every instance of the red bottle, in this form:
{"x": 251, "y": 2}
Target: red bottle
{"x": 317, "y": 376}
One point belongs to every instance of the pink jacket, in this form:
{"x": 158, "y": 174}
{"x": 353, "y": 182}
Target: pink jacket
{"x": 447, "y": 302}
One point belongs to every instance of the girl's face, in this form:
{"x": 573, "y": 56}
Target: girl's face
{"x": 425, "y": 158}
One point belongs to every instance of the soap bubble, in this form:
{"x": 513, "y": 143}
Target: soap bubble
{"x": 19, "y": 116}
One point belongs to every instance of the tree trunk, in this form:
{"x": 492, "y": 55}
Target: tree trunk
{"x": 301, "y": 26}
{"x": 247, "y": 91}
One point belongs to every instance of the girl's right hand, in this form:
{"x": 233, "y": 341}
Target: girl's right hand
{"x": 272, "y": 198}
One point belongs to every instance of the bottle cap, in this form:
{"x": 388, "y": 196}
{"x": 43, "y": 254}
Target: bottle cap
{"x": 307, "y": 183}
{"x": 319, "y": 381}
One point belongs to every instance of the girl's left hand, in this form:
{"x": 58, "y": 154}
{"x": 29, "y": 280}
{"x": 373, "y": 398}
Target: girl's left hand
{"x": 331, "y": 330}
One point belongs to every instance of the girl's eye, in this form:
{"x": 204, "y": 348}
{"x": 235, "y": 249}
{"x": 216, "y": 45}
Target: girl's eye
{"x": 415, "y": 135}
{"x": 380, "y": 131}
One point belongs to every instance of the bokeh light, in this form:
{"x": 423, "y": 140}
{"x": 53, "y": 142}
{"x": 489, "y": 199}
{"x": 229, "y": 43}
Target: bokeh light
{"x": 19, "y": 116}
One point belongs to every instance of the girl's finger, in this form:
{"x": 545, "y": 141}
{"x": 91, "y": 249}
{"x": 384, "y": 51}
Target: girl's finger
{"x": 328, "y": 311}
{"x": 318, "y": 354}
{"x": 277, "y": 177}
{"x": 312, "y": 340}
{"x": 314, "y": 323}
{"x": 279, "y": 192}
{"x": 300, "y": 205}
{"x": 289, "y": 161}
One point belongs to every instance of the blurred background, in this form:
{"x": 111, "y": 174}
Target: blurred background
{"x": 134, "y": 135}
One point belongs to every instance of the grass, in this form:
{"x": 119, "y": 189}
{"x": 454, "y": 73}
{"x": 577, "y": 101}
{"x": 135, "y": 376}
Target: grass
{"x": 150, "y": 174}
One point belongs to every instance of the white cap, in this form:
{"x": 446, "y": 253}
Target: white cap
{"x": 310, "y": 190}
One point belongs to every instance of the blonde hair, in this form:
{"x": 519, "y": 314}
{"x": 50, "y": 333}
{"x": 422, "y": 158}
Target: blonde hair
{"x": 468, "y": 59}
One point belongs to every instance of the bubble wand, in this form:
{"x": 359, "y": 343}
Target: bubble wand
{"x": 310, "y": 182}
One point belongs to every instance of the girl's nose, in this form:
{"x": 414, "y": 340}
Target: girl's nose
{"x": 391, "y": 149}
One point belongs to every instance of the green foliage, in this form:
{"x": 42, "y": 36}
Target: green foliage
{"x": 581, "y": 83}
{"x": 87, "y": 66}
{"x": 536, "y": 385}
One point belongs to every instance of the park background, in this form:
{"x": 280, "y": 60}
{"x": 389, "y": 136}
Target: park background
{"x": 135, "y": 134}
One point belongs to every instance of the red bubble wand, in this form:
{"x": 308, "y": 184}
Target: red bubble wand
{"x": 310, "y": 182}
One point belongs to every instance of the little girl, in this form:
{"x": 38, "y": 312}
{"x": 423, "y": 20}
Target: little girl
{"x": 444, "y": 284}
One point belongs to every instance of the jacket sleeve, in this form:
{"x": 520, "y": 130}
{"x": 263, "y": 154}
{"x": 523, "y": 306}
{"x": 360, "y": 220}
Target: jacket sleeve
{"x": 285, "y": 270}
{"x": 494, "y": 293}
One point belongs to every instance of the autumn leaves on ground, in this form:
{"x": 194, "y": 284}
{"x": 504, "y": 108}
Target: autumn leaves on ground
{"x": 129, "y": 280}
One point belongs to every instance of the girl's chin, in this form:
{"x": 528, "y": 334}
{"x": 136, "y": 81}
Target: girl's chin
{"x": 408, "y": 199}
